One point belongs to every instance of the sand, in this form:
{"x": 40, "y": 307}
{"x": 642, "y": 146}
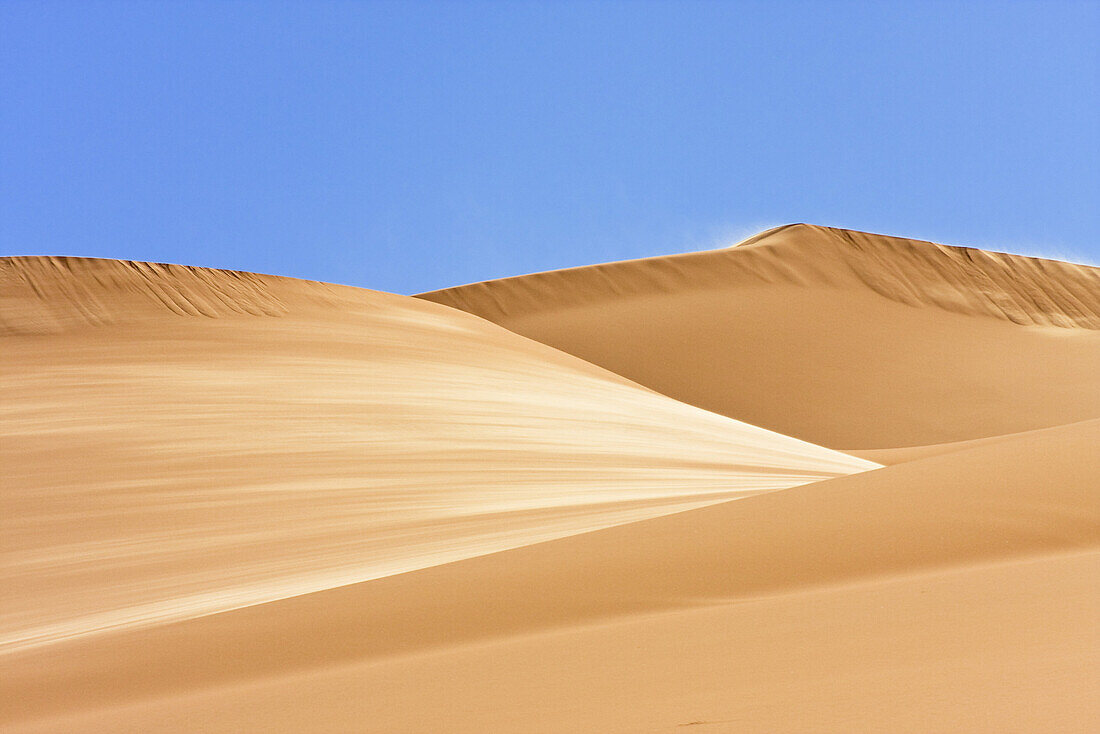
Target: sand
{"x": 245, "y": 503}
{"x": 846, "y": 339}
{"x": 162, "y": 464}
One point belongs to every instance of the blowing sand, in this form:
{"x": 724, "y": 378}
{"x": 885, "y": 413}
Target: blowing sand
{"x": 246, "y": 503}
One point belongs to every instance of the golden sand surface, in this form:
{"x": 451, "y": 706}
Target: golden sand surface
{"x": 579, "y": 501}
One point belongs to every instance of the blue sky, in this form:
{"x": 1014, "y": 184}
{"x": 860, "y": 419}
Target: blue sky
{"x": 410, "y": 146}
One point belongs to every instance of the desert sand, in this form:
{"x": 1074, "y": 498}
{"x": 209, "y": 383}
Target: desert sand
{"x": 616, "y": 498}
{"x": 846, "y": 339}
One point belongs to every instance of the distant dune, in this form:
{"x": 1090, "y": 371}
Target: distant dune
{"x": 235, "y": 502}
{"x": 846, "y": 339}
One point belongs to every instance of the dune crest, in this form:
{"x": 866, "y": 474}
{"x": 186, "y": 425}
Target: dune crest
{"x": 1023, "y": 290}
{"x": 1020, "y": 289}
{"x": 56, "y": 294}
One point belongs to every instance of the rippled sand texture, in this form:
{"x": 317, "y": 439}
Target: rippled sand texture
{"x": 235, "y": 502}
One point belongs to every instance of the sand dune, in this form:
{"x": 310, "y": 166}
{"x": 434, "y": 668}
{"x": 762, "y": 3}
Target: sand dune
{"x": 181, "y": 441}
{"x": 234, "y": 502}
{"x": 846, "y": 339}
{"x": 723, "y": 596}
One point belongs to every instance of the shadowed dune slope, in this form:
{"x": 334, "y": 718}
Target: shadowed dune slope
{"x": 952, "y": 593}
{"x": 846, "y": 339}
{"x": 901, "y": 455}
{"x": 178, "y": 441}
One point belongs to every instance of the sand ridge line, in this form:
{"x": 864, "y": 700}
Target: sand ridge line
{"x": 1021, "y": 289}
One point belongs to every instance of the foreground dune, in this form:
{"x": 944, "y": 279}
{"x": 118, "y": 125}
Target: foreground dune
{"x": 849, "y": 340}
{"x": 954, "y": 593}
{"x": 179, "y": 441}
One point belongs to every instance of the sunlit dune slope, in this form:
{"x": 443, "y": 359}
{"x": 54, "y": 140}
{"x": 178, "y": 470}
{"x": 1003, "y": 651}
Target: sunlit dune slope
{"x": 953, "y": 593}
{"x": 180, "y": 441}
{"x": 846, "y": 339}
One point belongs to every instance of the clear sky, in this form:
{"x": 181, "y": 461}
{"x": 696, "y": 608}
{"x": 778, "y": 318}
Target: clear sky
{"x": 411, "y": 146}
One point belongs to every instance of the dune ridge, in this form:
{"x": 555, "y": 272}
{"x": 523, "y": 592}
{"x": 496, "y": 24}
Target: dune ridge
{"x": 55, "y": 294}
{"x": 1017, "y": 288}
